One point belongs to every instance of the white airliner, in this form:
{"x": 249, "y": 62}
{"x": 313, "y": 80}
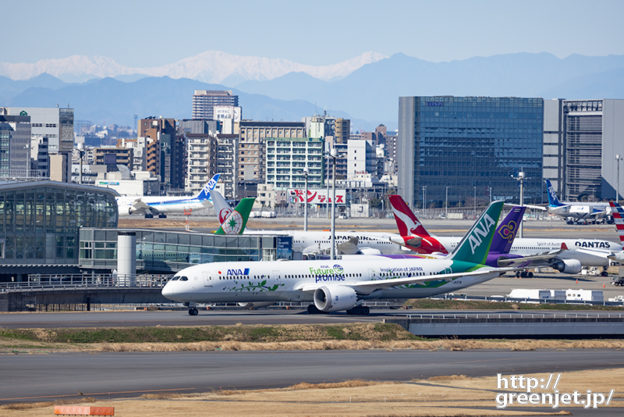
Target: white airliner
{"x": 313, "y": 243}
{"x": 161, "y": 206}
{"x": 575, "y": 212}
{"x": 341, "y": 284}
{"x": 573, "y": 254}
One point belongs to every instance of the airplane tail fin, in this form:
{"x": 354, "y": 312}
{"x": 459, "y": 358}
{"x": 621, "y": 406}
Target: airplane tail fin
{"x": 506, "y": 230}
{"x": 221, "y": 206}
{"x": 406, "y": 220}
{"x": 618, "y": 218}
{"x": 204, "y": 194}
{"x": 475, "y": 246}
{"x": 236, "y": 221}
{"x": 553, "y": 201}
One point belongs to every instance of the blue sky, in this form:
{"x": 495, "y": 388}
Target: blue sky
{"x": 156, "y": 32}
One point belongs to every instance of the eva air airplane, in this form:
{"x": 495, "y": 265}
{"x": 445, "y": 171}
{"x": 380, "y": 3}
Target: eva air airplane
{"x": 334, "y": 285}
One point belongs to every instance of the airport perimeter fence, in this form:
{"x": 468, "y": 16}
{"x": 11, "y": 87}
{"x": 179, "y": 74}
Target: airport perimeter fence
{"x": 63, "y": 281}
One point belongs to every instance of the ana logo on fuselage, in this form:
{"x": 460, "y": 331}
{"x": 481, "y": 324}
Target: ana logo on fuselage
{"x": 480, "y": 231}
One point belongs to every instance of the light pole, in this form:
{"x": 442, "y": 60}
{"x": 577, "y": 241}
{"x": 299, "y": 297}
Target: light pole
{"x": 446, "y": 203}
{"x": 617, "y": 192}
{"x": 474, "y": 199}
{"x": 305, "y": 201}
{"x": 521, "y": 177}
{"x": 333, "y": 206}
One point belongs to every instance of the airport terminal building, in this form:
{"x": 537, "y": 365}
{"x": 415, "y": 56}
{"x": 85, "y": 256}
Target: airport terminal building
{"x": 40, "y": 221}
{"x": 49, "y": 228}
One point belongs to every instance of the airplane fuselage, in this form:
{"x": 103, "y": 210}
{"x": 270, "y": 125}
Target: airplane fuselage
{"x": 167, "y": 205}
{"x": 590, "y": 252}
{"x": 296, "y": 280}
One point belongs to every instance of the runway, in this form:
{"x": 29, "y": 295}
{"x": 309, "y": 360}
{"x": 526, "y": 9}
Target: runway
{"x": 107, "y": 375}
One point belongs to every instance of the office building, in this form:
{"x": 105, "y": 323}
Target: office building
{"x": 582, "y": 142}
{"x": 229, "y": 117}
{"x": 469, "y": 147}
{"x": 52, "y": 133}
{"x": 204, "y": 102}
{"x": 14, "y": 146}
{"x": 113, "y": 156}
{"x": 361, "y": 159}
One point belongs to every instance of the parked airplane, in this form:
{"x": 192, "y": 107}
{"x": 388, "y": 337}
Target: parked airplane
{"x": 235, "y": 220}
{"x": 341, "y": 284}
{"x": 315, "y": 243}
{"x": 161, "y": 206}
{"x": 571, "y": 255}
{"x": 575, "y": 212}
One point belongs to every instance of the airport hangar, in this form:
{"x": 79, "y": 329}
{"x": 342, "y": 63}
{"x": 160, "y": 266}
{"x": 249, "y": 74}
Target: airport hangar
{"x": 55, "y": 234}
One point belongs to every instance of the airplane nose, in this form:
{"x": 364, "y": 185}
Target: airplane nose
{"x": 167, "y": 290}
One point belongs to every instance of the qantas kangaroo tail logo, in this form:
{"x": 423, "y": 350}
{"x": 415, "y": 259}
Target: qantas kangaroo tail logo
{"x": 406, "y": 221}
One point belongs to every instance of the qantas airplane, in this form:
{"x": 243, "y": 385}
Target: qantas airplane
{"x": 161, "y": 206}
{"x": 571, "y": 255}
{"x": 575, "y": 212}
{"x": 341, "y": 284}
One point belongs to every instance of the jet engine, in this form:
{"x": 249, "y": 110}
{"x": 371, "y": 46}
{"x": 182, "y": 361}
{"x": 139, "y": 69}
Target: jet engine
{"x": 334, "y": 298}
{"x": 370, "y": 251}
{"x": 567, "y": 266}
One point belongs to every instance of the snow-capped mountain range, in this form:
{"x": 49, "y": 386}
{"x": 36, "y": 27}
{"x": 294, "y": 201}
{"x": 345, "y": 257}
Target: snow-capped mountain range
{"x": 208, "y": 66}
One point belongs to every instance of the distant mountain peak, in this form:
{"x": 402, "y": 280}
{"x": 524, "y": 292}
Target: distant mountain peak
{"x": 208, "y": 66}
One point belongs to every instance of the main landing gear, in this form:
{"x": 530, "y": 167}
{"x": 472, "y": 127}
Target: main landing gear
{"x": 193, "y": 311}
{"x": 524, "y": 274}
{"x": 359, "y": 311}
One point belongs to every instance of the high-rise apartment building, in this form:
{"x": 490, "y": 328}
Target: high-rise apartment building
{"x": 201, "y": 151}
{"x": 469, "y": 147}
{"x": 14, "y": 146}
{"x": 204, "y": 102}
{"x": 361, "y": 159}
{"x": 583, "y": 147}
{"x": 287, "y": 159}
{"x": 251, "y": 145}
{"x": 227, "y": 163}
{"x": 165, "y": 152}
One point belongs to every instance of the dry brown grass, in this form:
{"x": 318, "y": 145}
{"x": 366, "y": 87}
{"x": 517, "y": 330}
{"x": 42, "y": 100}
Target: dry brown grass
{"x": 16, "y": 346}
{"x": 453, "y": 395}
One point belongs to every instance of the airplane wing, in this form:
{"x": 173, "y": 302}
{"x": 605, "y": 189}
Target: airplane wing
{"x": 529, "y": 261}
{"x": 529, "y": 206}
{"x": 367, "y": 287}
{"x": 139, "y": 206}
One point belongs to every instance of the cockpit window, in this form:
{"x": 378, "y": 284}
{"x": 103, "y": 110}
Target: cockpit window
{"x": 175, "y": 278}
{"x": 183, "y": 279}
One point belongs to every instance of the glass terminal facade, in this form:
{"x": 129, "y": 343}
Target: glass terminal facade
{"x": 469, "y": 147}
{"x": 39, "y": 223}
{"x": 159, "y": 251}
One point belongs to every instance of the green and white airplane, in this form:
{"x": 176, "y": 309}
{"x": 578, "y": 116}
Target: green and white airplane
{"x": 334, "y": 285}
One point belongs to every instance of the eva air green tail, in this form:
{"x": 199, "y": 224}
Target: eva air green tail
{"x": 475, "y": 246}
{"x": 235, "y": 222}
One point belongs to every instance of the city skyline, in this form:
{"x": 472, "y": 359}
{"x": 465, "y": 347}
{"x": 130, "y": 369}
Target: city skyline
{"x": 144, "y": 33}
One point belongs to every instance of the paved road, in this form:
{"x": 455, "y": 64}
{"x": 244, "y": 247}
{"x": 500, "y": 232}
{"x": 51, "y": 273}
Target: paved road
{"x": 66, "y": 375}
{"x": 228, "y": 317}
{"x": 171, "y": 318}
